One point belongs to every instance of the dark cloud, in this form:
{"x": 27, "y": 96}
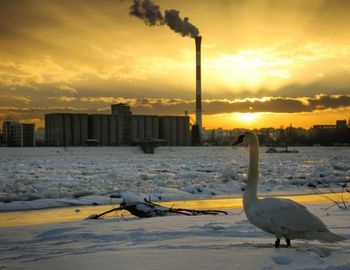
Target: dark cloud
{"x": 326, "y": 102}
{"x": 210, "y": 107}
{"x": 177, "y": 106}
{"x": 272, "y": 105}
{"x": 276, "y": 105}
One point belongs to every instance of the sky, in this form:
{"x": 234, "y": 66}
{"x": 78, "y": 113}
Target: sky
{"x": 265, "y": 63}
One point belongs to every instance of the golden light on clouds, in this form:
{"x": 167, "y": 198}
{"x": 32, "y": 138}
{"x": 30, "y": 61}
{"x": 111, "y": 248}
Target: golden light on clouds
{"x": 265, "y": 120}
{"x": 276, "y": 57}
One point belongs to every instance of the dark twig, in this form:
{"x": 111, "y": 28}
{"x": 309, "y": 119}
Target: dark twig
{"x": 97, "y": 216}
{"x": 341, "y": 204}
{"x": 148, "y": 209}
{"x": 318, "y": 192}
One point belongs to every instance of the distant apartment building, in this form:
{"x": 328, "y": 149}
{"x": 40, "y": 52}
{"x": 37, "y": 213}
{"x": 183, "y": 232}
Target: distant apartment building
{"x": 17, "y": 134}
{"x": 119, "y": 128}
{"x": 340, "y": 124}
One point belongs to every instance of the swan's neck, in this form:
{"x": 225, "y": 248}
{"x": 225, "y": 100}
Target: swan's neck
{"x": 251, "y": 192}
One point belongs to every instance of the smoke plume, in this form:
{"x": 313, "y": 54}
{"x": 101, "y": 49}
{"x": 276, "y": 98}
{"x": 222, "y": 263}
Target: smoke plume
{"x": 150, "y": 13}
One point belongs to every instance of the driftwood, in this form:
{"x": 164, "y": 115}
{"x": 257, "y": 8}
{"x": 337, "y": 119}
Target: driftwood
{"x": 149, "y": 209}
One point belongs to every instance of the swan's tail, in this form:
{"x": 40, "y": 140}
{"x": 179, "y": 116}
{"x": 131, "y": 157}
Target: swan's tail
{"x": 326, "y": 236}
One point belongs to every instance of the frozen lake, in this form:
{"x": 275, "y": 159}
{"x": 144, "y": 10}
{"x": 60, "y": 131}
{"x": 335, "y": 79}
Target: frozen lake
{"x": 84, "y": 174}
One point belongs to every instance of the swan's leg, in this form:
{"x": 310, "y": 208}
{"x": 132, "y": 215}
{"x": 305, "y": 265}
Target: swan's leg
{"x": 288, "y": 242}
{"x": 277, "y": 243}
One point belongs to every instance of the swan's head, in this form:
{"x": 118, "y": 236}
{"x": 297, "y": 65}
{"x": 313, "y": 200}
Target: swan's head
{"x": 248, "y": 138}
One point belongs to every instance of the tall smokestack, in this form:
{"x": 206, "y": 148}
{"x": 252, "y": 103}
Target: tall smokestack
{"x": 198, "y": 40}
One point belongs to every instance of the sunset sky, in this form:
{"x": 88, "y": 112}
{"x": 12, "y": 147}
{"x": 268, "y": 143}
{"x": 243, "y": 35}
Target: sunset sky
{"x": 264, "y": 63}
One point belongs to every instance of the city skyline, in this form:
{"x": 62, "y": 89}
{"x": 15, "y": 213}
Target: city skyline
{"x": 264, "y": 63}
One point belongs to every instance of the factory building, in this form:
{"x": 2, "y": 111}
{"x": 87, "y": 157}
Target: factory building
{"x": 340, "y": 124}
{"x": 119, "y": 128}
{"x": 18, "y": 135}
{"x": 66, "y": 129}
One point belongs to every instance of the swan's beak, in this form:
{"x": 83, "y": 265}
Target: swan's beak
{"x": 239, "y": 140}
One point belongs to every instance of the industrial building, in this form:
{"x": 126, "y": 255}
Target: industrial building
{"x": 340, "y": 124}
{"x": 66, "y": 129}
{"x": 119, "y": 128}
{"x": 18, "y": 135}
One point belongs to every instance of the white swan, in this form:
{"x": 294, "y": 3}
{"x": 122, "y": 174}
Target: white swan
{"x": 281, "y": 217}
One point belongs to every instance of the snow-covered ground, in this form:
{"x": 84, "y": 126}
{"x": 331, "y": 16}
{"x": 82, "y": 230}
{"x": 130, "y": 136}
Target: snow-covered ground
{"x": 171, "y": 243}
{"x": 50, "y": 177}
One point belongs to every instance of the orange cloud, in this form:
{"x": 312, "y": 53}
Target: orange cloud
{"x": 21, "y": 99}
{"x": 63, "y": 98}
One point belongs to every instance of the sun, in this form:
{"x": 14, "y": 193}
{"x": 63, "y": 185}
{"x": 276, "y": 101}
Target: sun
{"x": 247, "y": 117}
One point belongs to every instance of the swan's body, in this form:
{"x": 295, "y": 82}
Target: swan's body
{"x": 281, "y": 217}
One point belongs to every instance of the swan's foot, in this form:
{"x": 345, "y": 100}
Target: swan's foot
{"x": 288, "y": 242}
{"x": 277, "y": 243}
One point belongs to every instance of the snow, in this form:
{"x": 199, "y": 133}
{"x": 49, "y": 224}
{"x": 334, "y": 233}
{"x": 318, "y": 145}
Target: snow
{"x": 172, "y": 243}
{"x": 56, "y": 177}
{"x": 37, "y": 178}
